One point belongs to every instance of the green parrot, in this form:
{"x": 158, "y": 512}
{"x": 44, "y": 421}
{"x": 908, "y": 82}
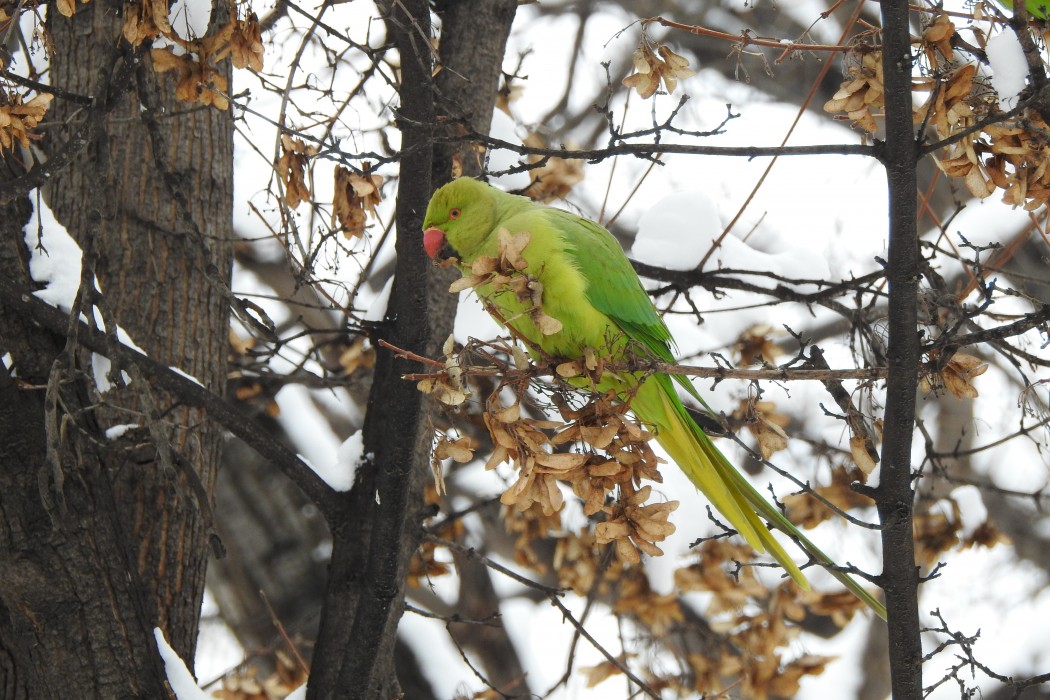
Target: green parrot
{"x": 589, "y": 286}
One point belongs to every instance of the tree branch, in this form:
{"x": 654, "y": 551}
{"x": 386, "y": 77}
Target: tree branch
{"x": 22, "y": 302}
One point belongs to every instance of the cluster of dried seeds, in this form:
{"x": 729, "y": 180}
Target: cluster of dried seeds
{"x": 355, "y": 199}
{"x": 956, "y": 375}
{"x": 19, "y": 118}
{"x": 863, "y": 90}
{"x": 291, "y": 168}
{"x": 1011, "y": 155}
{"x": 653, "y": 64}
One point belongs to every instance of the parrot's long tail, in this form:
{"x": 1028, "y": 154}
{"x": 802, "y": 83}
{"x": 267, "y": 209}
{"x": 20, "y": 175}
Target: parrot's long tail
{"x": 730, "y": 493}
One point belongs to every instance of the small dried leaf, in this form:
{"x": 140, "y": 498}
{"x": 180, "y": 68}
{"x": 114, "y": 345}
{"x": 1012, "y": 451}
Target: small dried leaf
{"x": 355, "y": 198}
{"x": 561, "y": 461}
{"x": 498, "y": 456}
{"x": 461, "y": 450}
{"x": 465, "y": 282}
{"x": 484, "y": 265}
{"x": 291, "y": 167}
{"x": 552, "y": 178}
{"x": 247, "y": 48}
{"x": 858, "y": 447}
{"x": 521, "y": 360}
{"x": 548, "y": 325}
{"x": 511, "y": 247}
{"x": 18, "y": 119}
{"x": 510, "y": 414}
{"x": 440, "y": 389}
{"x": 569, "y": 369}
{"x": 599, "y": 437}
{"x": 644, "y": 83}
{"x": 626, "y": 552}
{"x": 358, "y": 355}
{"x": 601, "y": 672}
{"x": 611, "y": 530}
{"x": 652, "y": 67}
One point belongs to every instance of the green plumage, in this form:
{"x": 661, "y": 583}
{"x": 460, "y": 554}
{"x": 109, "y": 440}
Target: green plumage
{"x": 1036, "y": 8}
{"x": 591, "y": 288}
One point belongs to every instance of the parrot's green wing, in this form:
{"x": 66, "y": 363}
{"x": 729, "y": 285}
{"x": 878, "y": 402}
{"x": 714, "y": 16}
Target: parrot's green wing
{"x": 614, "y": 289}
{"x": 612, "y": 284}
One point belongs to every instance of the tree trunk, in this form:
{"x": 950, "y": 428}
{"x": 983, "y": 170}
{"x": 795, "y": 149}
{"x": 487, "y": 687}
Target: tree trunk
{"x": 109, "y": 539}
{"x": 373, "y": 544}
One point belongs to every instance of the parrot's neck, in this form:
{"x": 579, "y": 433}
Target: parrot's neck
{"x": 508, "y": 205}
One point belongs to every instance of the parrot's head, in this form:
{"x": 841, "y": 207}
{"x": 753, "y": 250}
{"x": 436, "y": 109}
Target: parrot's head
{"x": 460, "y": 216}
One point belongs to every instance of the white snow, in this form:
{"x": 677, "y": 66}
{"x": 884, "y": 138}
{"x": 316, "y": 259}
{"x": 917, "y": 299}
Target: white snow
{"x": 55, "y": 260}
{"x": 472, "y": 321}
{"x": 971, "y": 508}
{"x": 350, "y": 454}
{"x": 305, "y": 424}
{"x": 440, "y": 662}
{"x": 185, "y": 375}
{"x": 377, "y": 309}
{"x": 217, "y": 647}
{"x": 319, "y": 448}
{"x": 125, "y": 339}
{"x": 680, "y": 229}
{"x": 677, "y": 231}
{"x": 179, "y": 677}
{"x": 189, "y": 18}
{"x": 1009, "y": 67}
{"x": 117, "y": 431}
{"x": 55, "y": 256}
{"x": 100, "y": 366}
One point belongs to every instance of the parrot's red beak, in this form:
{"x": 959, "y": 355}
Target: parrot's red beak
{"x": 433, "y": 239}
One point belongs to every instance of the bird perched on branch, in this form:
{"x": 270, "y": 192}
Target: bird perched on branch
{"x": 578, "y": 293}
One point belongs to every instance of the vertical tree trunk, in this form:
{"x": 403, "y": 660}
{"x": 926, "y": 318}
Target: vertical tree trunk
{"x": 72, "y": 615}
{"x": 895, "y": 494}
{"x": 160, "y": 179}
{"x": 97, "y": 553}
{"x": 374, "y": 543}
{"x": 371, "y": 547}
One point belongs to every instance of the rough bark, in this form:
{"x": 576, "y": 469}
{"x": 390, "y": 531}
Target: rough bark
{"x": 158, "y": 182}
{"x": 474, "y": 39}
{"x": 71, "y": 611}
{"x": 106, "y": 540}
{"x": 68, "y": 608}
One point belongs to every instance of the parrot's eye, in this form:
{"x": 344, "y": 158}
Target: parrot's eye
{"x": 453, "y": 214}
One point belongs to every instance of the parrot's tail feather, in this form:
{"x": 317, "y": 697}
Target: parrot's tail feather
{"x": 777, "y": 519}
{"x": 729, "y": 492}
{"x": 705, "y": 466}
